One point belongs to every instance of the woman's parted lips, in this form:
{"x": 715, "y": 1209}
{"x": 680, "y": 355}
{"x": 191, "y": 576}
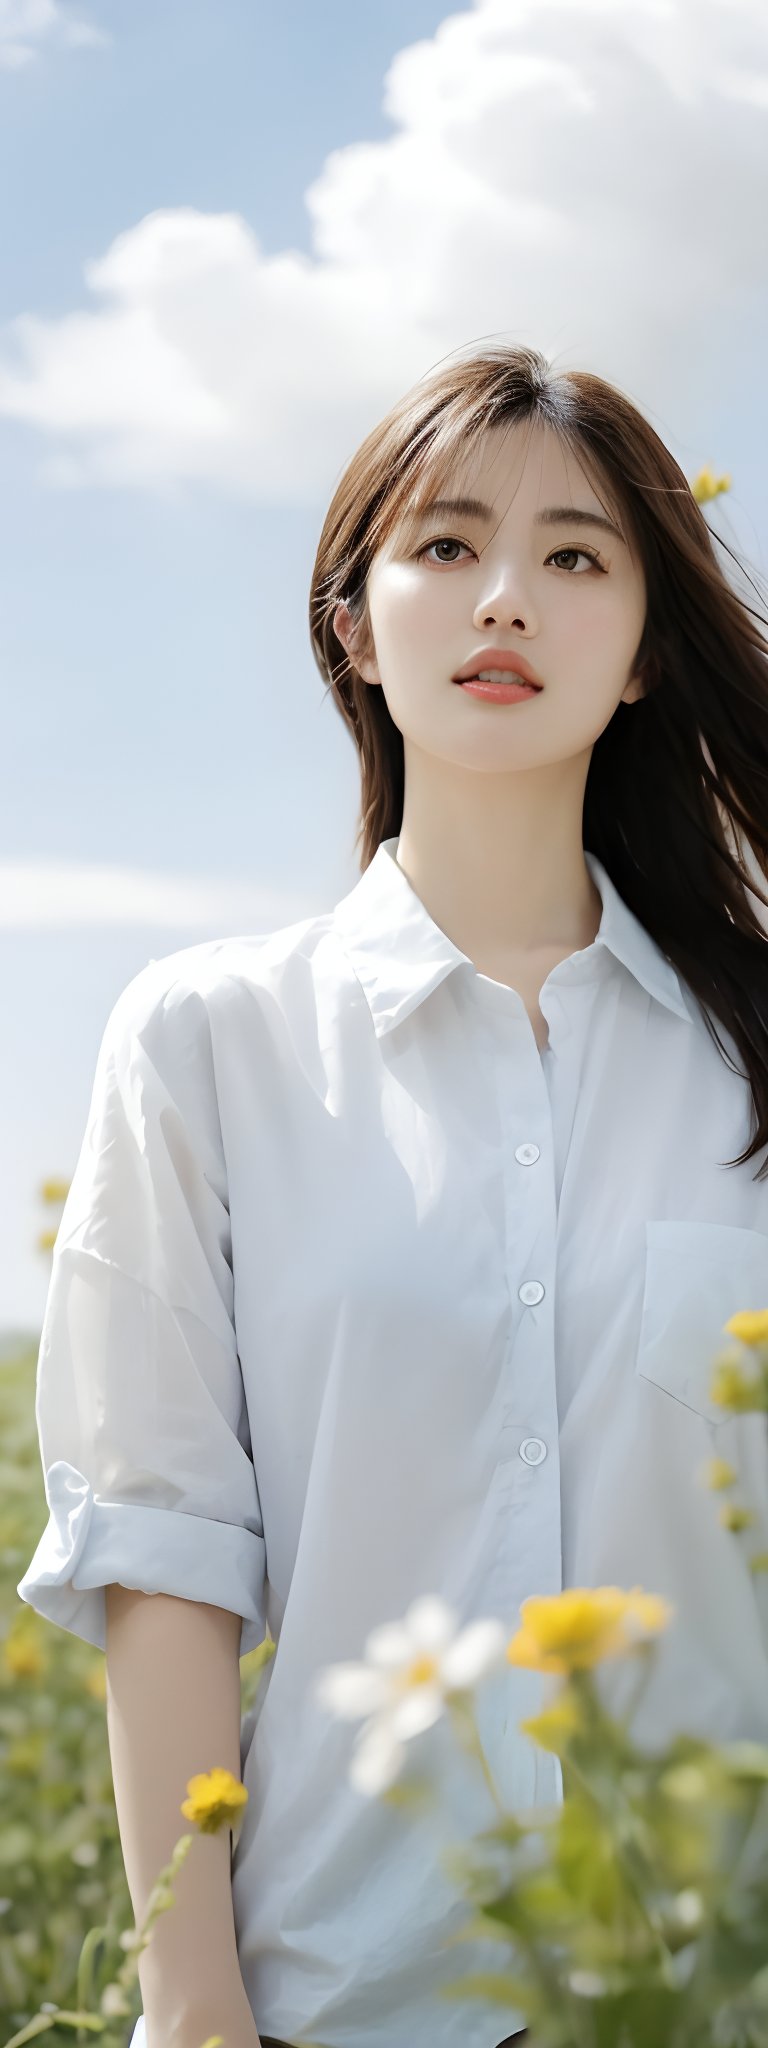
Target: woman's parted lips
{"x": 498, "y": 657}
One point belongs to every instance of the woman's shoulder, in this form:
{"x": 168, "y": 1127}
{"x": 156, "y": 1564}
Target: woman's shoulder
{"x": 214, "y": 973}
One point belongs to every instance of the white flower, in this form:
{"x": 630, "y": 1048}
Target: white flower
{"x": 411, "y": 1668}
{"x": 587, "y": 1984}
{"x": 131, "y": 1939}
{"x": 689, "y": 1908}
{"x": 114, "y": 2004}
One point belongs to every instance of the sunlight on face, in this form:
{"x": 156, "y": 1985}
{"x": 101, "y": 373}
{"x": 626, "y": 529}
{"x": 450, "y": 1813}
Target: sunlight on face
{"x": 568, "y": 596}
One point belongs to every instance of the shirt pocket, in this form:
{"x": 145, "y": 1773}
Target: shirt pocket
{"x": 696, "y": 1277}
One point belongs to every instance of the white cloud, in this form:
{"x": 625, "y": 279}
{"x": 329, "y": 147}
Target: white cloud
{"x": 24, "y": 24}
{"x": 47, "y": 896}
{"x": 581, "y": 176}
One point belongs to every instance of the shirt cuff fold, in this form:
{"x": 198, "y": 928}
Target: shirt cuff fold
{"x": 89, "y": 1544}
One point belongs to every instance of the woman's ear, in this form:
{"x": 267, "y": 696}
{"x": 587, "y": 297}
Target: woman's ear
{"x": 342, "y": 626}
{"x": 640, "y": 683}
{"x": 351, "y": 639}
{"x": 633, "y": 691}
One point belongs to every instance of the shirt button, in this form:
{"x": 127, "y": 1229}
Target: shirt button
{"x": 533, "y": 1450}
{"x": 526, "y": 1154}
{"x": 531, "y": 1291}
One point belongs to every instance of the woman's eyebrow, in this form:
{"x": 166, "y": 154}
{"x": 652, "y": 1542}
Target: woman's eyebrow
{"x": 553, "y": 515}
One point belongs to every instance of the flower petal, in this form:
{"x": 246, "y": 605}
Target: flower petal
{"x": 481, "y": 1647}
{"x": 430, "y": 1623}
{"x": 351, "y": 1690}
{"x": 419, "y": 1708}
{"x": 377, "y": 1758}
{"x": 389, "y": 1646}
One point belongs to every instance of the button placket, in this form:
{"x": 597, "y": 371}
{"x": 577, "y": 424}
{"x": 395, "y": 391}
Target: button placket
{"x": 533, "y": 1449}
{"x": 526, "y": 1550}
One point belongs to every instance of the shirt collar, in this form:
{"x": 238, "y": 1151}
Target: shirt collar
{"x": 400, "y": 955}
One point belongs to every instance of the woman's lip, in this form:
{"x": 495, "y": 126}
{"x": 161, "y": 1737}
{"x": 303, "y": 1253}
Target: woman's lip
{"x": 514, "y": 664}
{"x": 513, "y": 692}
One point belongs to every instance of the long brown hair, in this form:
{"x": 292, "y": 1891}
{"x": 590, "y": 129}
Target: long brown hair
{"x": 675, "y": 777}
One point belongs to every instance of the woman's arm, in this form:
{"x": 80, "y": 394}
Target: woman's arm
{"x": 173, "y": 1709}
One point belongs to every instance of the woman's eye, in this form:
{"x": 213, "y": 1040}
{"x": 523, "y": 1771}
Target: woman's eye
{"x": 447, "y": 540}
{"x": 443, "y": 541}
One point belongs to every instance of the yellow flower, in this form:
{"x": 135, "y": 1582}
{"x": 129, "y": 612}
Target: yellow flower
{"x": 551, "y": 1728}
{"x": 684, "y": 1781}
{"x": 24, "y": 1657}
{"x": 574, "y": 1629}
{"x": 215, "y": 1800}
{"x": 718, "y": 1473}
{"x": 706, "y": 485}
{"x": 730, "y": 1388}
{"x": 759, "y": 1563}
{"x": 24, "y": 1757}
{"x": 54, "y": 1190}
{"x": 750, "y": 1324}
{"x": 736, "y": 1518}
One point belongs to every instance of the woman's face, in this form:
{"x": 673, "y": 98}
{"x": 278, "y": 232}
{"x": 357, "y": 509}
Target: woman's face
{"x": 568, "y": 596}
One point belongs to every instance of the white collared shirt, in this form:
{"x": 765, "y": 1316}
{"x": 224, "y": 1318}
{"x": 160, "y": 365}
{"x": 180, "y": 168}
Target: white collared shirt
{"x": 357, "y": 1296}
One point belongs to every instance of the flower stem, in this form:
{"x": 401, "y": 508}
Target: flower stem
{"x": 638, "y": 1874}
{"x": 85, "y": 1970}
{"x": 463, "y": 1716}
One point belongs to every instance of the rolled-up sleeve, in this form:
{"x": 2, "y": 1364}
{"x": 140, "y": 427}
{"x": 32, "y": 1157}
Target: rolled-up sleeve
{"x": 140, "y": 1403}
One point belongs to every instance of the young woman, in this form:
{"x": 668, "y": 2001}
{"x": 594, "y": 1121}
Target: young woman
{"x": 402, "y": 1239}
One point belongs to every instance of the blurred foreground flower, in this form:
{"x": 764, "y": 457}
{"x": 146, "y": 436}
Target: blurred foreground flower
{"x": 411, "y": 1668}
{"x": 706, "y": 486}
{"x": 216, "y": 1800}
{"x": 742, "y": 1393}
{"x": 573, "y": 1630}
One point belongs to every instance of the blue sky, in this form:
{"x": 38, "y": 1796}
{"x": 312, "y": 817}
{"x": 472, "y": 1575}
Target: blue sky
{"x": 230, "y": 237}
